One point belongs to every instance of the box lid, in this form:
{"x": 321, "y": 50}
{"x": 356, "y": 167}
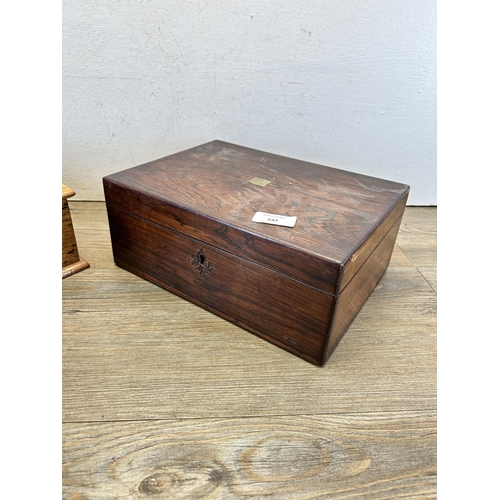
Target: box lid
{"x": 212, "y": 192}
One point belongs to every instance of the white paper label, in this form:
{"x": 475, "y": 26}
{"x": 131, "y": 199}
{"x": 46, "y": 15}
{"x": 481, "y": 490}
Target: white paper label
{"x": 277, "y": 220}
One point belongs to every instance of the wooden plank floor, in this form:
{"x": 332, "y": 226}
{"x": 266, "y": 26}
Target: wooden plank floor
{"x": 162, "y": 399}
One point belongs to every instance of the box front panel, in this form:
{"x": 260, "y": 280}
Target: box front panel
{"x": 288, "y": 313}
{"x": 262, "y": 249}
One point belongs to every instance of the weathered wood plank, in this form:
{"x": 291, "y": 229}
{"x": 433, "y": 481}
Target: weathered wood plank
{"x": 135, "y": 351}
{"x": 417, "y": 236}
{"x": 364, "y": 456}
{"x": 430, "y": 275}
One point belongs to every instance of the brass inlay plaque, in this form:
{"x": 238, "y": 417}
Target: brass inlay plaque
{"x": 259, "y": 182}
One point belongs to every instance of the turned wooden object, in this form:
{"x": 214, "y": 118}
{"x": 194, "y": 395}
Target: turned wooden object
{"x": 71, "y": 261}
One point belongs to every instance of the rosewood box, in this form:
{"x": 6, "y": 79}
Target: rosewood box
{"x": 186, "y": 222}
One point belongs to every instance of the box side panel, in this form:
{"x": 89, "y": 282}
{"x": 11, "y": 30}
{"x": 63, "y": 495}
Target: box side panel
{"x": 308, "y": 268}
{"x": 279, "y": 309}
{"x": 362, "y": 253}
{"x": 352, "y": 298}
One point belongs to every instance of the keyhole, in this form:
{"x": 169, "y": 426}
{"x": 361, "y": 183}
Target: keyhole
{"x": 202, "y": 259}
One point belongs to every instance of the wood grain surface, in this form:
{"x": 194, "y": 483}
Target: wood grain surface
{"x": 376, "y": 455}
{"x": 67, "y": 192}
{"x": 269, "y": 304}
{"x": 69, "y": 246}
{"x": 71, "y": 260}
{"x": 346, "y": 225}
{"x": 162, "y": 399}
{"x": 206, "y": 193}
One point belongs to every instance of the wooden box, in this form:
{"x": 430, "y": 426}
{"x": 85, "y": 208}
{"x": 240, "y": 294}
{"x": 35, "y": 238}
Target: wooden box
{"x": 184, "y": 222}
{"x": 71, "y": 261}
